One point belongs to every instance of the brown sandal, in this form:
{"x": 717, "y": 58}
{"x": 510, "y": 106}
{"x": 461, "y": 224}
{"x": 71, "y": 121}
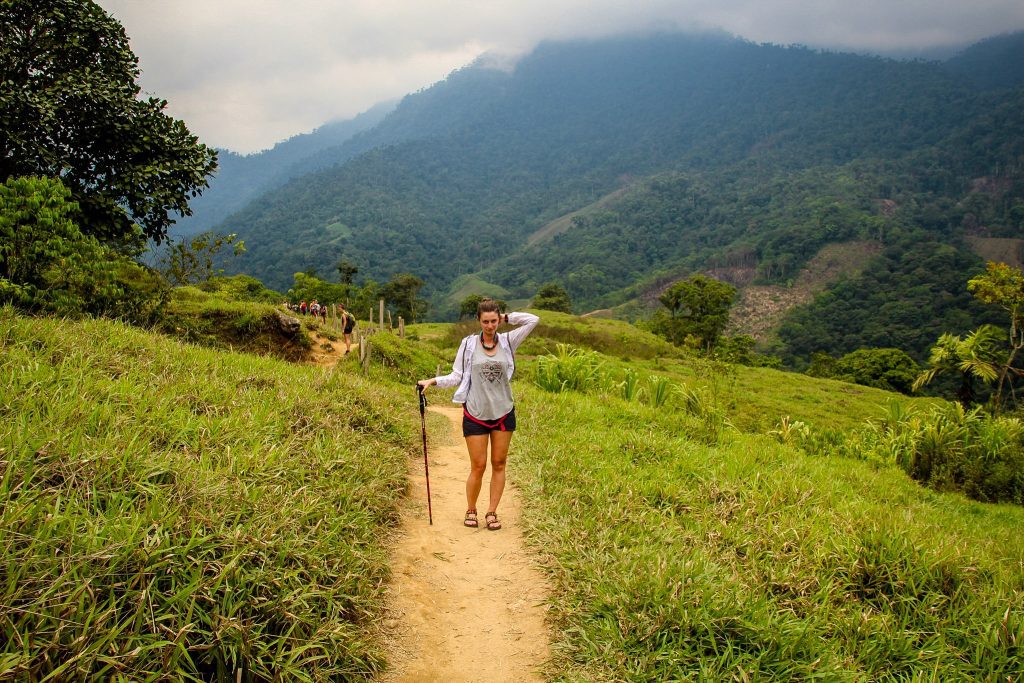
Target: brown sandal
{"x": 491, "y": 518}
{"x": 470, "y": 519}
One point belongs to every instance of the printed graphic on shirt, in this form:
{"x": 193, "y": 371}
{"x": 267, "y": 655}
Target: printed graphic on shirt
{"x": 491, "y": 370}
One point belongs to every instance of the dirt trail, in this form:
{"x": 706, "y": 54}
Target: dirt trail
{"x": 327, "y": 353}
{"x": 467, "y": 604}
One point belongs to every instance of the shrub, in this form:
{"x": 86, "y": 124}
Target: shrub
{"x": 947, "y": 449}
{"x": 570, "y": 369}
{"x": 47, "y": 264}
{"x": 552, "y": 297}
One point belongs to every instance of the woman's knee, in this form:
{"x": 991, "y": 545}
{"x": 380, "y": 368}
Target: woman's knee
{"x": 477, "y": 466}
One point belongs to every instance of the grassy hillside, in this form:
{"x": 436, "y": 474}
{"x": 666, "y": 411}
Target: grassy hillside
{"x": 753, "y": 399}
{"x": 682, "y": 548}
{"x": 745, "y": 560}
{"x": 173, "y": 508}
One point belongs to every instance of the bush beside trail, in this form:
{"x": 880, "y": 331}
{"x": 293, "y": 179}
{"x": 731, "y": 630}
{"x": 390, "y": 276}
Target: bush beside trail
{"x": 169, "y": 509}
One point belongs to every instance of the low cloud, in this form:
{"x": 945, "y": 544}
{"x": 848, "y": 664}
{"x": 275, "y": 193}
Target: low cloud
{"x": 247, "y": 74}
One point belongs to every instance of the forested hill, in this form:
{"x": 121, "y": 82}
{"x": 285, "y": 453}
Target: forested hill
{"x": 241, "y": 177}
{"x": 727, "y": 154}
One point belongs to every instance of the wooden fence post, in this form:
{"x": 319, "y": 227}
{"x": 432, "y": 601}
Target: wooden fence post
{"x": 381, "y": 317}
{"x": 401, "y": 327}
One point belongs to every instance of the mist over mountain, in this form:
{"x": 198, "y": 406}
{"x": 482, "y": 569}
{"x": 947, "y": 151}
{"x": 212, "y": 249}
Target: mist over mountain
{"x": 613, "y": 166}
{"x": 993, "y": 63}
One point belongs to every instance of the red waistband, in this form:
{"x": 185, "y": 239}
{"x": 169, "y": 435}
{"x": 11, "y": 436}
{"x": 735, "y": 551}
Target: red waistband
{"x": 499, "y": 424}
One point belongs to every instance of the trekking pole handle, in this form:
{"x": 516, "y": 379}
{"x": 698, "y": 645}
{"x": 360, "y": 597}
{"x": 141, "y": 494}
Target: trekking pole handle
{"x": 423, "y": 398}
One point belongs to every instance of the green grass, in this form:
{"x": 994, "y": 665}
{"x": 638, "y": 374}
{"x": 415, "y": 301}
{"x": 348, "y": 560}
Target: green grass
{"x": 675, "y": 560}
{"x": 175, "y": 510}
{"x": 611, "y": 337}
{"x": 753, "y": 399}
{"x": 756, "y": 399}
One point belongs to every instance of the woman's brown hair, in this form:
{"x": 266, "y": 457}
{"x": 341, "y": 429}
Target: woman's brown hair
{"x": 487, "y": 306}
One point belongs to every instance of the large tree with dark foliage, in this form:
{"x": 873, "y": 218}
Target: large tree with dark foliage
{"x": 70, "y": 109}
{"x": 698, "y": 307}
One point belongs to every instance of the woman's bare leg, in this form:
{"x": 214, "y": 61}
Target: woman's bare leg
{"x": 477, "y": 447}
{"x": 499, "y": 455}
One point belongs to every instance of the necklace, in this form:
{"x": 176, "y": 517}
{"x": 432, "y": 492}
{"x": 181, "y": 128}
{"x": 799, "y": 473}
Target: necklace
{"x": 484, "y": 344}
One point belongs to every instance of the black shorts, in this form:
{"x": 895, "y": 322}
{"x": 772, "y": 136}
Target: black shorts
{"x": 475, "y": 428}
{"x": 348, "y": 329}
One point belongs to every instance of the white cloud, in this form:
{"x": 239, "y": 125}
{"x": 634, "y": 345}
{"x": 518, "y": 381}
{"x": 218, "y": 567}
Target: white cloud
{"x": 245, "y": 74}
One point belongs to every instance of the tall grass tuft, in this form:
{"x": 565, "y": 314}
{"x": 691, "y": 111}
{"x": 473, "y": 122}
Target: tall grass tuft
{"x": 703, "y": 405}
{"x": 569, "y": 369}
{"x": 659, "y": 389}
{"x": 630, "y": 385}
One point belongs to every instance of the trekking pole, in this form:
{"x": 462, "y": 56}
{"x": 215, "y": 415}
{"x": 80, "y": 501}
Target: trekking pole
{"x": 426, "y": 467}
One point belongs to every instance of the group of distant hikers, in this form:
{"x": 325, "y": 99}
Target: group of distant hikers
{"x": 319, "y": 310}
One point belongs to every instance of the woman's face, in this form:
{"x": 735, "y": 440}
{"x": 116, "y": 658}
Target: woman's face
{"x": 489, "y": 322}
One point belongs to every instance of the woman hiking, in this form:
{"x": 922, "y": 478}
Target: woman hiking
{"x": 482, "y": 370}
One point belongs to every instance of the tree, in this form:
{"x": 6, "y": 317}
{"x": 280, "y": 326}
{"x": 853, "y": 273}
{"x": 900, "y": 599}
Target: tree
{"x": 70, "y": 109}
{"x": 1003, "y": 286}
{"x": 889, "y": 369}
{"x": 47, "y": 263}
{"x": 974, "y": 357}
{"x": 468, "y": 307}
{"x": 309, "y": 287}
{"x": 402, "y": 291}
{"x": 821, "y": 365}
{"x": 346, "y": 271}
{"x": 191, "y": 261}
{"x": 698, "y": 307}
{"x": 552, "y": 297}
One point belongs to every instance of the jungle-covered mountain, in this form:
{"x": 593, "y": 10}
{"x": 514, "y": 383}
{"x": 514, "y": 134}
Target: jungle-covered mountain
{"x": 241, "y": 177}
{"x": 614, "y": 166}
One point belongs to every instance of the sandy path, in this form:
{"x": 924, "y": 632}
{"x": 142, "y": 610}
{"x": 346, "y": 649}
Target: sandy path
{"x": 467, "y": 604}
{"x": 325, "y": 352}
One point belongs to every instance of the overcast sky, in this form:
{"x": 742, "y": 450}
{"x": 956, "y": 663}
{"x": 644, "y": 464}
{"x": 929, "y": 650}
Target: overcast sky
{"x": 245, "y": 74}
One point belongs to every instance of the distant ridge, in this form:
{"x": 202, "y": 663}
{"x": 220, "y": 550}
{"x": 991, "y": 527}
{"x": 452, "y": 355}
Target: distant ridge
{"x": 993, "y": 63}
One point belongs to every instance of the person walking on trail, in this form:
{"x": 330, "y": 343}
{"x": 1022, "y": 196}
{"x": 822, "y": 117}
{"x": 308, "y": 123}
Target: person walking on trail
{"x": 348, "y": 322}
{"x": 482, "y": 370}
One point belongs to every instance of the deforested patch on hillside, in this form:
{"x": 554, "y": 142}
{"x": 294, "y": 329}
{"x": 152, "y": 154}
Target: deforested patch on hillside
{"x": 761, "y": 308}
{"x": 1008, "y": 250}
